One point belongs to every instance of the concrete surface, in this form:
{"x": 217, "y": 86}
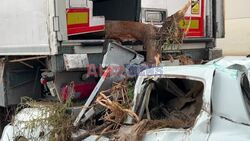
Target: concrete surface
{"x": 237, "y": 40}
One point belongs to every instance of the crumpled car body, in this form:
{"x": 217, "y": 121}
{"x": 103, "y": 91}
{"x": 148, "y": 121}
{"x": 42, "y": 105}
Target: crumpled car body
{"x": 225, "y": 110}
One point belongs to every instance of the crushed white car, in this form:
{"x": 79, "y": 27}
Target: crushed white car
{"x": 225, "y": 110}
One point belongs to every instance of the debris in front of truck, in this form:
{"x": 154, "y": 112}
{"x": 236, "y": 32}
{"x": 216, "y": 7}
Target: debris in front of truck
{"x": 109, "y": 111}
{"x": 170, "y": 60}
{"x": 105, "y": 82}
{"x": 174, "y": 106}
{"x": 153, "y": 38}
{"x": 185, "y": 60}
{"x": 131, "y": 87}
{"x": 115, "y": 107}
{"x": 136, "y": 132}
{"x": 118, "y": 55}
{"x": 115, "y": 113}
{"x": 53, "y": 119}
{"x": 171, "y": 35}
{"x": 117, "y": 103}
{"x": 115, "y": 59}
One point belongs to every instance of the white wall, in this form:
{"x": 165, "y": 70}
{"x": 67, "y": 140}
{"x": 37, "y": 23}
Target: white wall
{"x": 237, "y": 40}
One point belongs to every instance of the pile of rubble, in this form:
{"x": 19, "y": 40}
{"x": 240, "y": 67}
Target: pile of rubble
{"x": 161, "y": 107}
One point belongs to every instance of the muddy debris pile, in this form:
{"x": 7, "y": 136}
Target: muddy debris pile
{"x": 157, "y": 107}
{"x": 119, "y": 114}
{"x": 175, "y": 106}
{"x": 113, "y": 106}
{"x": 51, "y": 117}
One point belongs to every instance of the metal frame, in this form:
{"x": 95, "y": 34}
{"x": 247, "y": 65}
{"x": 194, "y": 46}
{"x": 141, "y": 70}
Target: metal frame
{"x": 17, "y": 81}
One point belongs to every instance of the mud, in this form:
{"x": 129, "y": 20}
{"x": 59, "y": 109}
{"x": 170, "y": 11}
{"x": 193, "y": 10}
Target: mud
{"x": 153, "y": 38}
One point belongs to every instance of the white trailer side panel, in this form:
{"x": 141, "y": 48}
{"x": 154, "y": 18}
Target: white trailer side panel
{"x": 26, "y": 27}
{"x": 171, "y": 5}
{"x": 159, "y": 4}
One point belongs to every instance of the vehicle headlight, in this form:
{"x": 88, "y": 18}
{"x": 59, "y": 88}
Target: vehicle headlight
{"x": 154, "y": 16}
